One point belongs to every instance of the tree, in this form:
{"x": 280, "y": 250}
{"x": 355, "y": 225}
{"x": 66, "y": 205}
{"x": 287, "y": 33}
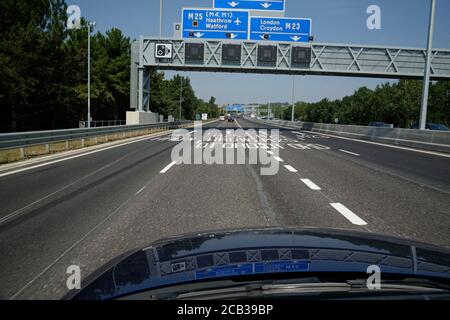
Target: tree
{"x": 30, "y": 48}
{"x": 43, "y": 75}
{"x": 398, "y": 104}
{"x": 406, "y": 106}
{"x": 439, "y": 105}
{"x": 213, "y": 108}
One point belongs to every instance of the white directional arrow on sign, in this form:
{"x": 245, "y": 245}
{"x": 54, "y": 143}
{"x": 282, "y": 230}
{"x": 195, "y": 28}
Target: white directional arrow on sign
{"x": 266, "y": 5}
{"x": 262, "y": 37}
{"x": 296, "y": 38}
{"x": 198, "y": 34}
{"x": 233, "y": 35}
{"x": 233, "y": 4}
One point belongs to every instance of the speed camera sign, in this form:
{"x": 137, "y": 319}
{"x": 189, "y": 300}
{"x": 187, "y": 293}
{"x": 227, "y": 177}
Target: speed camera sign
{"x": 163, "y": 51}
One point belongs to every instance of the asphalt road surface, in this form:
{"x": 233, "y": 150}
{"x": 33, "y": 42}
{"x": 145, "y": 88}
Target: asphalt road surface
{"x": 87, "y": 210}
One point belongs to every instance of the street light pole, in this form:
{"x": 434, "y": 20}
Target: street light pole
{"x": 426, "y": 78}
{"x": 89, "y": 25}
{"x": 293, "y": 104}
{"x": 160, "y": 18}
{"x": 181, "y": 94}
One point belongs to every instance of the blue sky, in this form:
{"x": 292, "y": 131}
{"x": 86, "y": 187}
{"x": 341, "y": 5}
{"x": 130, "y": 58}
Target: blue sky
{"x": 404, "y": 23}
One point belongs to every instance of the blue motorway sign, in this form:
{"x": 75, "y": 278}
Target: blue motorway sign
{"x": 280, "y": 29}
{"x": 215, "y": 24}
{"x": 260, "y": 5}
{"x": 235, "y": 108}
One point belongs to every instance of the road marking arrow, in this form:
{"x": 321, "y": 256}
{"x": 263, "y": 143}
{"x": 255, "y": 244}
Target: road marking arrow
{"x": 198, "y": 34}
{"x": 266, "y": 5}
{"x": 233, "y": 4}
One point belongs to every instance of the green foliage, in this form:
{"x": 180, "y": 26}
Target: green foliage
{"x": 397, "y": 104}
{"x": 43, "y": 72}
{"x": 31, "y": 38}
{"x": 166, "y": 96}
{"x": 209, "y": 107}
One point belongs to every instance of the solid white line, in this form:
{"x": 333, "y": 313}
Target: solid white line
{"x": 352, "y": 153}
{"x": 353, "y": 218}
{"x": 278, "y": 159}
{"x": 311, "y": 184}
{"x": 143, "y": 188}
{"x": 291, "y": 169}
{"x": 168, "y": 167}
{"x": 270, "y": 152}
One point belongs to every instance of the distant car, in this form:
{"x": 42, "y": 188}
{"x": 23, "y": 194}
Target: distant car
{"x": 438, "y": 126}
{"x": 433, "y": 126}
{"x": 379, "y": 124}
{"x": 222, "y": 118}
{"x": 231, "y": 119}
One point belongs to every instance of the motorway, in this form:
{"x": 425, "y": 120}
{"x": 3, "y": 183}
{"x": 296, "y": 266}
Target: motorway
{"x": 86, "y": 210}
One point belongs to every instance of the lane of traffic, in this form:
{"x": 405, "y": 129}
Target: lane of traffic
{"x": 389, "y": 204}
{"x": 428, "y": 169}
{"x": 142, "y": 198}
{"x": 36, "y": 237}
{"x": 185, "y": 199}
{"x": 299, "y": 191}
{"x": 419, "y": 166}
{"x": 190, "y": 198}
{"x": 19, "y": 190}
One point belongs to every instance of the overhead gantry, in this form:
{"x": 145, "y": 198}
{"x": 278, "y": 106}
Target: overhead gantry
{"x": 277, "y": 58}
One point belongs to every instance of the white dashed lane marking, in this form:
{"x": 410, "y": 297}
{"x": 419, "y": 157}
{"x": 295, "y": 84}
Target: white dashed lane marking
{"x": 348, "y": 152}
{"x": 278, "y": 159}
{"x": 168, "y": 167}
{"x": 311, "y": 184}
{"x": 291, "y": 169}
{"x": 353, "y": 218}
